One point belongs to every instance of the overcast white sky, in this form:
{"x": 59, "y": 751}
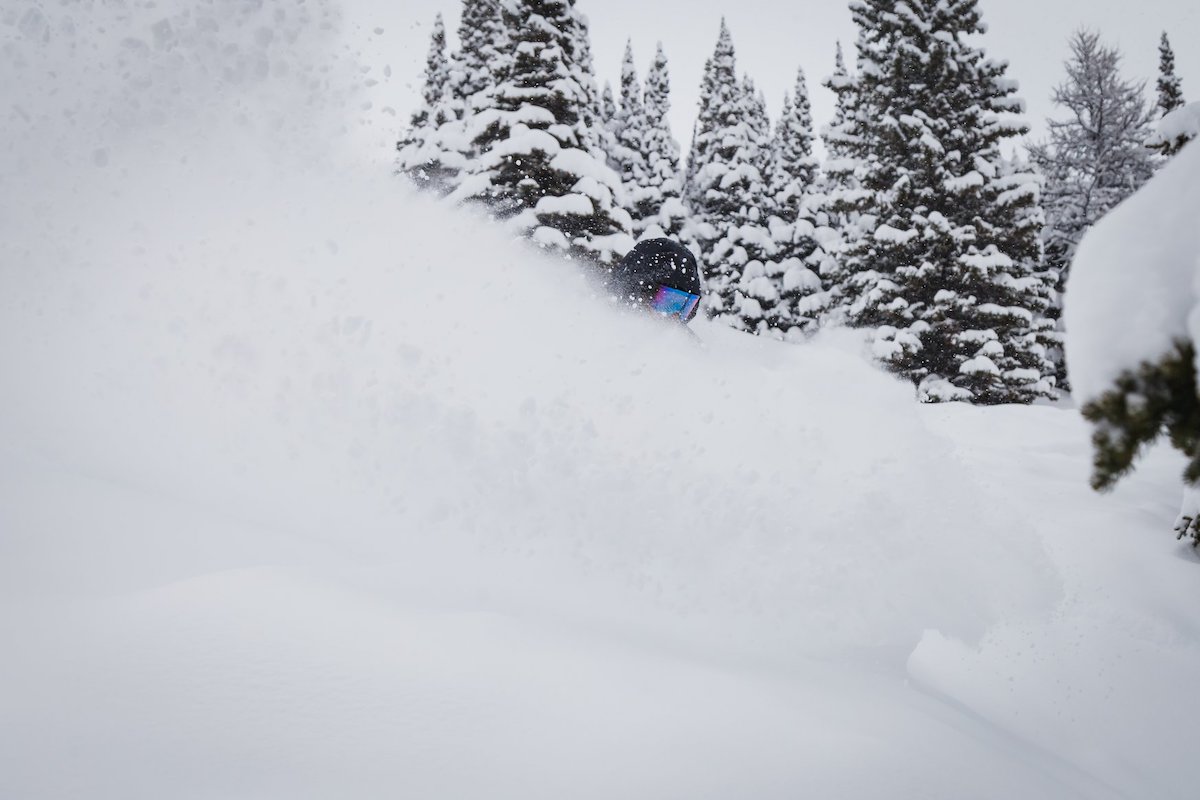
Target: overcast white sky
{"x": 774, "y": 37}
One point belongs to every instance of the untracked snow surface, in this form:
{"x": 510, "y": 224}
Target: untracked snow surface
{"x": 310, "y": 489}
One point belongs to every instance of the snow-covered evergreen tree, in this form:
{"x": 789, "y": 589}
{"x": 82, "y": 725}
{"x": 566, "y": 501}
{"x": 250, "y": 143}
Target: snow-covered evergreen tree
{"x": 839, "y": 197}
{"x": 726, "y": 188}
{"x": 606, "y": 131}
{"x": 1096, "y": 157}
{"x": 608, "y": 106}
{"x": 658, "y": 200}
{"x": 760, "y": 306}
{"x": 628, "y": 156}
{"x": 794, "y": 205}
{"x": 1170, "y": 95}
{"x": 482, "y": 58}
{"x": 631, "y": 89}
{"x": 579, "y": 33}
{"x": 475, "y": 69}
{"x": 760, "y": 142}
{"x": 541, "y": 168}
{"x": 1170, "y": 89}
{"x": 772, "y": 279}
{"x": 841, "y": 136}
{"x": 423, "y": 154}
{"x": 793, "y": 166}
{"x": 947, "y": 270}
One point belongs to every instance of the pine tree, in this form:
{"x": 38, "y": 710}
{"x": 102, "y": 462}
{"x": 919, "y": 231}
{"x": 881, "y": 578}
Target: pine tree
{"x": 658, "y": 204}
{"x": 1170, "y": 96}
{"x": 1095, "y": 158}
{"x": 607, "y": 128}
{"x": 839, "y": 197}
{"x": 759, "y": 143}
{"x": 631, "y": 88}
{"x": 542, "y": 168}
{"x": 804, "y": 288}
{"x": 762, "y": 307}
{"x": 793, "y": 167}
{"x": 628, "y": 157}
{"x": 480, "y": 62}
{"x": 608, "y": 106}
{"x": 1170, "y": 89}
{"x": 423, "y": 155}
{"x": 841, "y": 136}
{"x": 475, "y": 69}
{"x": 947, "y": 273}
{"x": 437, "y": 72}
{"x": 725, "y": 186}
{"x": 795, "y": 219}
{"x": 579, "y": 33}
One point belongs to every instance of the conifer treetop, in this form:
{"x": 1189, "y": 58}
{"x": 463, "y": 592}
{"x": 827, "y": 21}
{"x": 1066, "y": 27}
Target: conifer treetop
{"x": 608, "y": 106}
{"x": 631, "y": 88}
{"x": 422, "y": 153}
{"x": 1170, "y": 100}
{"x": 946, "y": 267}
{"x": 437, "y": 73}
{"x": 793, "y": 167}
{"x": 542, "y": 168}
{"x": 657, "y": 97}
{"x": 1170, "y": 88}
{"x": 1095, "y": 156}
{"x": 479, "y": 63}
{"x": 648, "y": 154}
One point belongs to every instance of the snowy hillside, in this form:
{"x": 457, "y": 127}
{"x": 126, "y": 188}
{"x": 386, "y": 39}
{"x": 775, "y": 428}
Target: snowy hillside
{"x": 309, "y": 489}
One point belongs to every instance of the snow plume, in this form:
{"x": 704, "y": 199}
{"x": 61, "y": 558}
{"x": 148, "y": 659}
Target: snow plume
{"x": 310, "y": 489}
{"x": 94, "y": 81}
{"x": 315, "y": 346}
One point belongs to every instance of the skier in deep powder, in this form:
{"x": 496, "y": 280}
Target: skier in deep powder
{"x": 661, "y": 276}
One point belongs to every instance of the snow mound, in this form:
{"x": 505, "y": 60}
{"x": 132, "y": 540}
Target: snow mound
{"x": 1139, "y": 265}
{"x": 1181, "y": 124}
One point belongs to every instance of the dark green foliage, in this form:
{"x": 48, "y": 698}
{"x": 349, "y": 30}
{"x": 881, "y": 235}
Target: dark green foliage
{"x": 793, "y": 169}
{"x": 1189, "y": 527}
{"x": 1170, "y": 91}
{"x": 946, "y": 266}
{"x": 481, "y": 62}
{"x": 542, "y": 145}
{"x": 1170, "y": 95}
{"x": 654, "y": 194}
{"x": 725, "y": 189}
{"x": 421, "y": 155}
{"x": 1158, "y": 398}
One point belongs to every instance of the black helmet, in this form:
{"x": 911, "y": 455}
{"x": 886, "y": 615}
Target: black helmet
{"x": 659, "y": 274}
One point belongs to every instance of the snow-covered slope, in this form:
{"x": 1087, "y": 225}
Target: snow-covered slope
{"x": 310, "y": 489}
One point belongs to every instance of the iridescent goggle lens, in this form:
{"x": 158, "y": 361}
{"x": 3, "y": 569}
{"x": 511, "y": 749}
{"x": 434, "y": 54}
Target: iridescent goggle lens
{"x": 672, "y": 301}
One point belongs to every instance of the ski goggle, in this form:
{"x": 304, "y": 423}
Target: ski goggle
{"x": 673, "y": 302}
